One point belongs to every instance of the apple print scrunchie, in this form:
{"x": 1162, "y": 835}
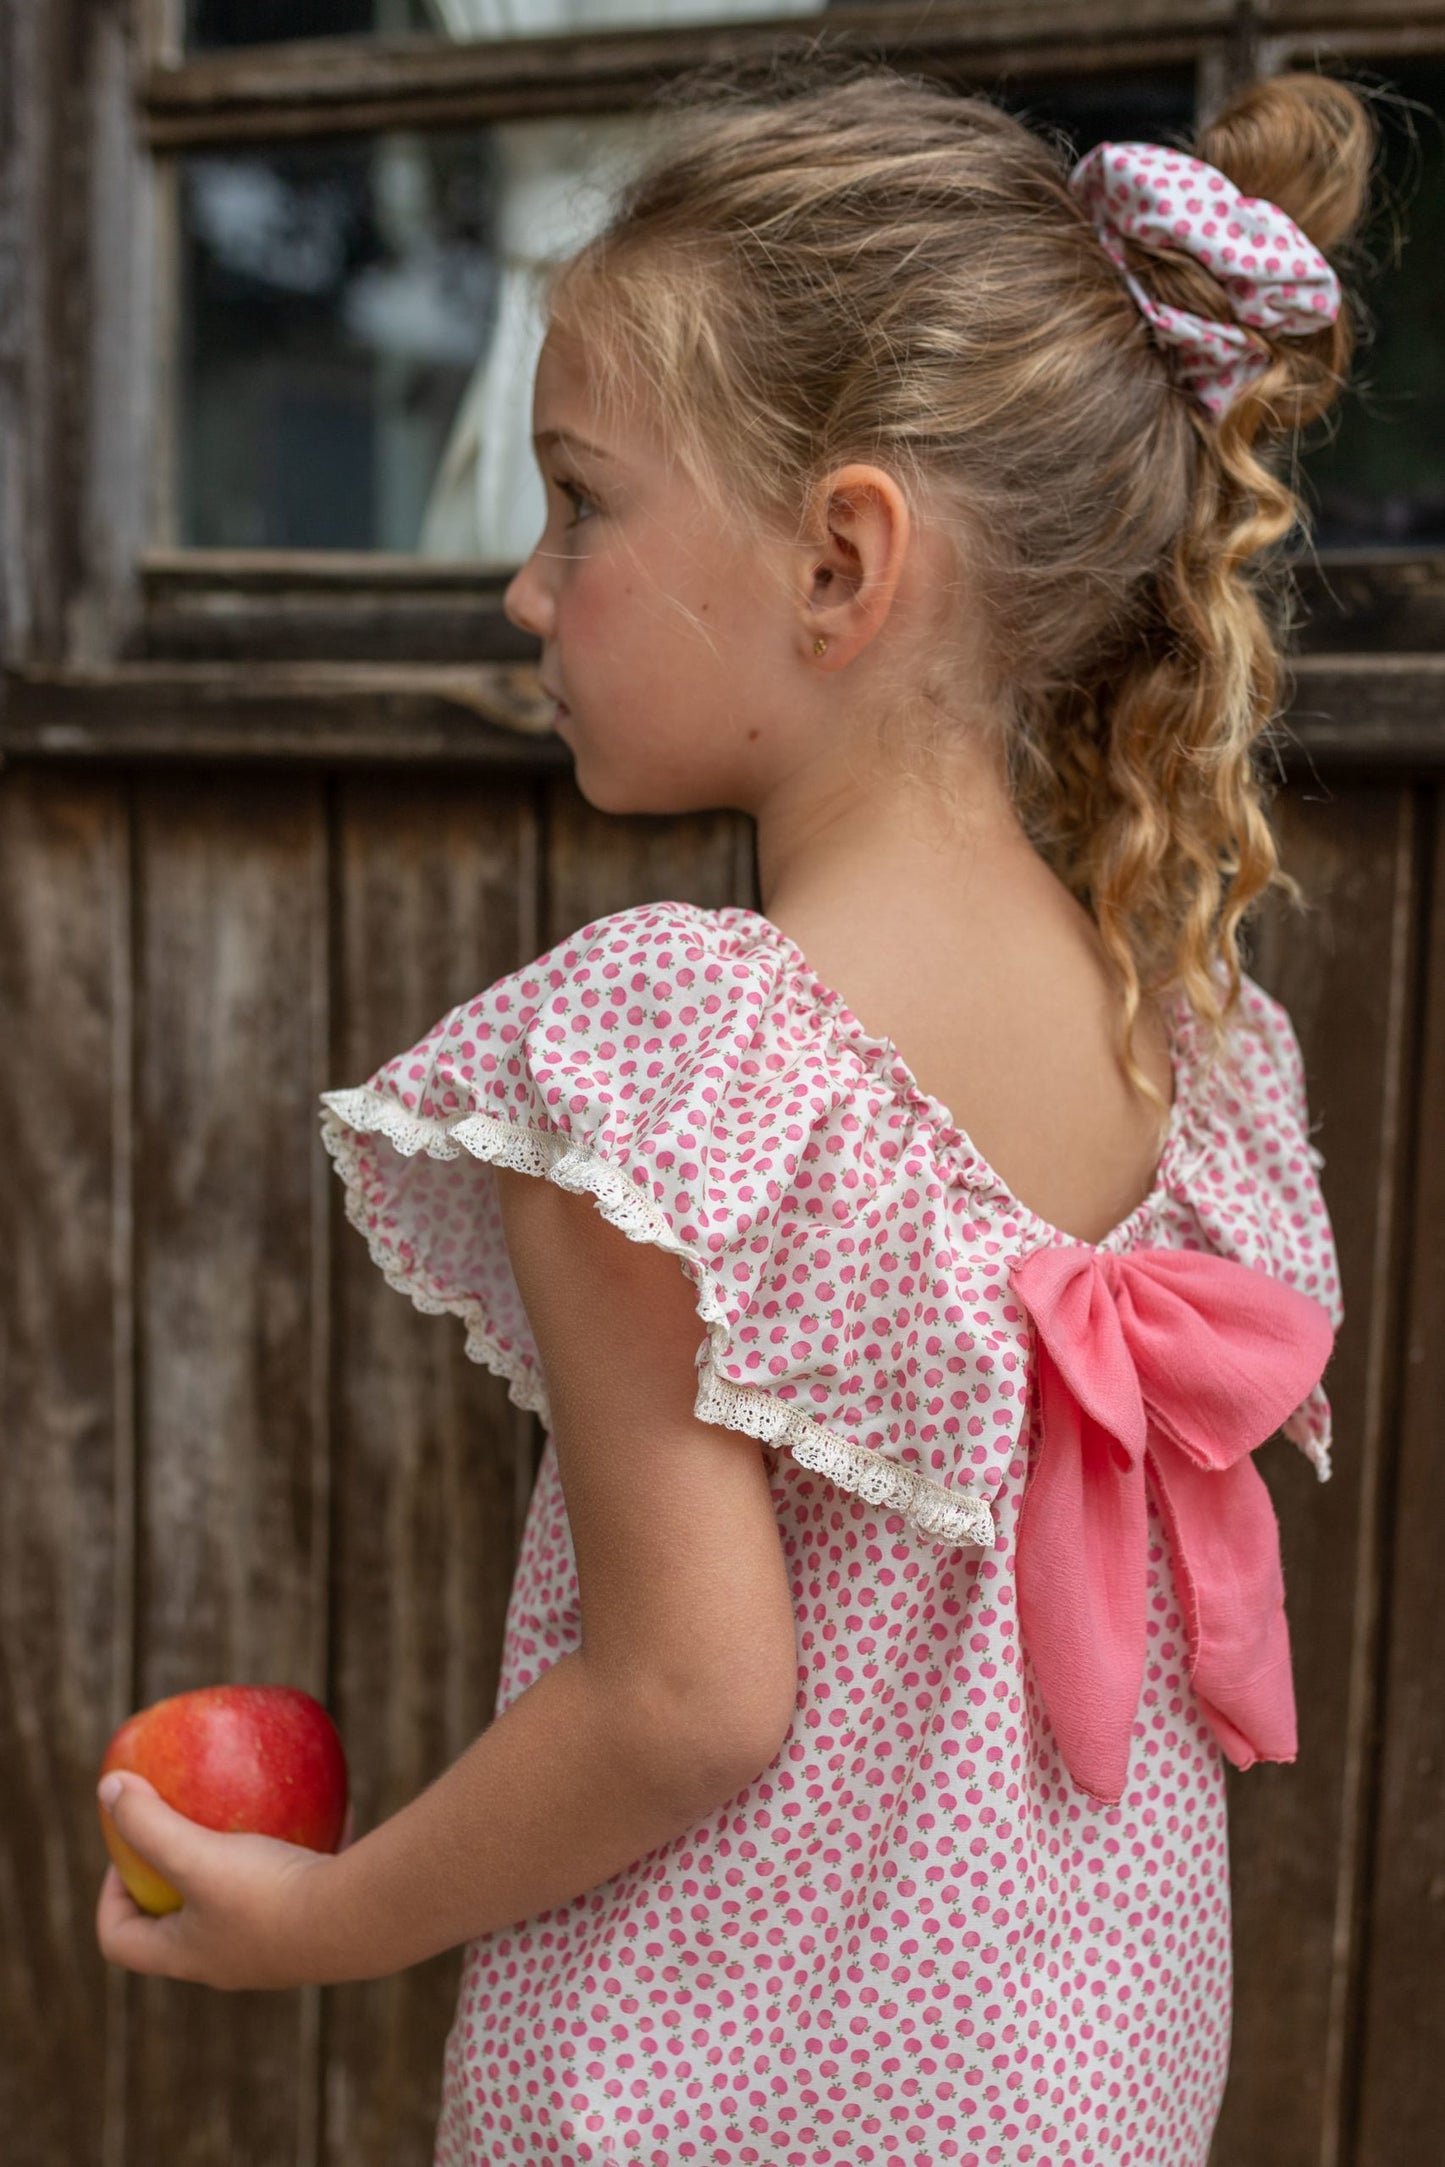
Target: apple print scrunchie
{"x": 1274, "y": 275}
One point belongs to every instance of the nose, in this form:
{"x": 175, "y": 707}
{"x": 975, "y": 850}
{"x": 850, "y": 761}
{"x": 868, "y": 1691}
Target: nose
{"x": 526, "y": 602}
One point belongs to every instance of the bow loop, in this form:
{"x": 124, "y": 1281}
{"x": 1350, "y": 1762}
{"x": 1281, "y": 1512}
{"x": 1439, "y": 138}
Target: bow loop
{"x": 1076, "y": 1316}
{"x": 1223, "y": 1353}
{"x": 1177, "y": 1364}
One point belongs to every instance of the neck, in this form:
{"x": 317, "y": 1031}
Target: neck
{"x": 836, "y": 837}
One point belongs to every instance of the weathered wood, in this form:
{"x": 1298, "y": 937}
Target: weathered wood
{"x": 597, "y": 863}
{"x": 1363, "y": 15}
{"x": 116, "y": 375}
{"x": 222, "y": 572}
{"x": 435, "y": 895}
{"x": 334, "y": 86}
{"x": 1299, "y": 35}
{"x": 1402, "y": 2094}
{"x": 1299, "y": 1834}
{"x": 1376, "y": 601}
{"x": 67, "y": 1588}
{"x": 1382, "y": 713}
{"x": 39, "y": 243}
{"x": 283, "y": 606}
{"x": 74, "y": 320}
{"x": 255, "y": 605}
{"x": 492, "y": 714}
{"x": 231, "y": 1499}
{"x": 431, "y": 627}
{"x": 269, "y": 963}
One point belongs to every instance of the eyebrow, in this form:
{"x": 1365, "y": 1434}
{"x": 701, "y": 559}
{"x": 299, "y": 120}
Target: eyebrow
{"x": 568, "y": 436}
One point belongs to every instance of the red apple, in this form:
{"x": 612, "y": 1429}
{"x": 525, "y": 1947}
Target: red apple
{"x": 266, "y": 1759}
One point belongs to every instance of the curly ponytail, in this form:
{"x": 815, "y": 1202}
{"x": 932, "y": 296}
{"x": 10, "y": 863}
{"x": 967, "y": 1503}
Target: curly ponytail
{"x": 1141, "y": 774}
{"x": 847, "y": 263}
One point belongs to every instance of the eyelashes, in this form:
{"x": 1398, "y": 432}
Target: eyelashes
{"x": 574, "y": 496}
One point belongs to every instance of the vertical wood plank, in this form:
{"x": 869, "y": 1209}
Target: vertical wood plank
{"x": 232, "y": 1556}
{"x": 1402, "y": 2094}
{"x": 64, "y": 1600}
{"x": 1297, "y": 1833}
{"x": 434, "y": 895}
{"x": 597, "y": 862}
{"x": 318, "y": 948}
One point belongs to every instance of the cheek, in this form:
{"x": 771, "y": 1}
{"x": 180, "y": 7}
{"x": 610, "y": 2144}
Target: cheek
{"x": 627, "y": 645}
{"x": 596, "y": 610}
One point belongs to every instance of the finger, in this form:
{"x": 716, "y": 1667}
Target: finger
{"x": 347, "y": 1827}
{"x": 116, "y": 1906}
{"x": 115, "y": 1902}
{"x": 127, "y": 1935}
{"x": 169, "y": 1841}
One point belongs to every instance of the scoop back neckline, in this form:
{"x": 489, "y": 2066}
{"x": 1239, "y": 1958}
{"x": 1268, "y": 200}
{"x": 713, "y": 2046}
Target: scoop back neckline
{"x": 881, "y": 1053}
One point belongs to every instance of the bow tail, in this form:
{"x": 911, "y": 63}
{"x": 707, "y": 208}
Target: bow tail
{"x": 1082, "y": 1548}
{"x": 1225, "y": 1542}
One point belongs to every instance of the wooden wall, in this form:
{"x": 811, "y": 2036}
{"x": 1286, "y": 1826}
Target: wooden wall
{"x": 229, "y": 1451}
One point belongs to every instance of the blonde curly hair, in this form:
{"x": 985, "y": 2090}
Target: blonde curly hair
{"x": 832, "y": 261}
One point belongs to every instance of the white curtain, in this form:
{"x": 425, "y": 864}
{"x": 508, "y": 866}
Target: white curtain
{"x": 557, "y": 180}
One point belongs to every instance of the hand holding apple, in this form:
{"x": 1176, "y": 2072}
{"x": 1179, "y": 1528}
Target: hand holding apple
{"x": 231, "y": 1796}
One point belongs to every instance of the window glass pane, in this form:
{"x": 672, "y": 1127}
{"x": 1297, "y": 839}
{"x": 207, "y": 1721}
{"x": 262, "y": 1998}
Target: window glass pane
{"x": 211, "y": 23}
{"x": 359, "y": 327}
{"x": 359, "y": 332}
{"x": 1382, "y": 480}
{"x": 334, "y": 299}
{"x": 1150, "y": 107}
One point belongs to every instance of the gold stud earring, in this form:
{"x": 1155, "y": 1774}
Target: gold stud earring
{"x": 819, "y": 645}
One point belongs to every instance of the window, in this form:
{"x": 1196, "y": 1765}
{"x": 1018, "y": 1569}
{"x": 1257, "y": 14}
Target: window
{"x": 335, "y": 298}
{"x": 355, "y": 351}
{"x": 1380, "y": 480}
{"x": 300, "y": 396}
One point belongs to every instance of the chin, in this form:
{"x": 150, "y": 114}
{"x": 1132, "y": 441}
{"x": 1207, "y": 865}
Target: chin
{"x": 614, "y": 800}
{"x": 615, "y": 794}
{"x": 605, "y": 794}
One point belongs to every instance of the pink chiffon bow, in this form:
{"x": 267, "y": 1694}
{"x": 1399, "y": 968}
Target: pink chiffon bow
{"x": 1171, "y": 1365}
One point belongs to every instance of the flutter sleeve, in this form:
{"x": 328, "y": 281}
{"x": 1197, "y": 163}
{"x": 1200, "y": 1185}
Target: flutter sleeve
{"x": 655, "y": 1064}
{"x": 1263, "y": 1202}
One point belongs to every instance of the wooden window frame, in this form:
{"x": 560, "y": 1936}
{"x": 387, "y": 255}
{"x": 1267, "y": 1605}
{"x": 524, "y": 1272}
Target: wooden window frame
{"x": 109, "y": 641}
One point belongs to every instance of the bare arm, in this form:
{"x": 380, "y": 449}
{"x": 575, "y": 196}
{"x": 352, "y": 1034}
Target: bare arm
{"x": 564, "y": 1790}
{"x": 685, "y": 1684}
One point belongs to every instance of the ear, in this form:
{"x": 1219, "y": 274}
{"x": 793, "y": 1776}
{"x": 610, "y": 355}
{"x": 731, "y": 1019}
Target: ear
{"x": 858, "y": 534}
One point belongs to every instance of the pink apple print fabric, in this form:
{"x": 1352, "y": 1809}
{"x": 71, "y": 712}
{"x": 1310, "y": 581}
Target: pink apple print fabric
{"x": 1275, "y": 277}
{"x": 914, "y": 1938}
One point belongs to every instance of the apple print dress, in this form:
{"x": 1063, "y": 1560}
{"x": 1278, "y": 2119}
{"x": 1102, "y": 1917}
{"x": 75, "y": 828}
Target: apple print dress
{"x": 918, "y": 1936}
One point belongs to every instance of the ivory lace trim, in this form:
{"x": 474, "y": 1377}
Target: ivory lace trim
{"x": 936, "y": 1511}
{"x": 1309, "y": 1427}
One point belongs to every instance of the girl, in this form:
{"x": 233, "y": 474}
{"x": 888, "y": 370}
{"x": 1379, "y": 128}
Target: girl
{"x": 897, "y": 1579}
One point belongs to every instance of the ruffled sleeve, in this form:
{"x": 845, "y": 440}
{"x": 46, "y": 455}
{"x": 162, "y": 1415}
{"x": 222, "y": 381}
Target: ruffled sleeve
{"x": 1260, "y": 1198}
{"x": 667, "y": 1067}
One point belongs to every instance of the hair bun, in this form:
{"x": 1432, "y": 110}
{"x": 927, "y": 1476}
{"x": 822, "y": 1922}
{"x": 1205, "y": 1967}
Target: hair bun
{"x": 1305, "y": 142}
{"x": 1308, "y": 144}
